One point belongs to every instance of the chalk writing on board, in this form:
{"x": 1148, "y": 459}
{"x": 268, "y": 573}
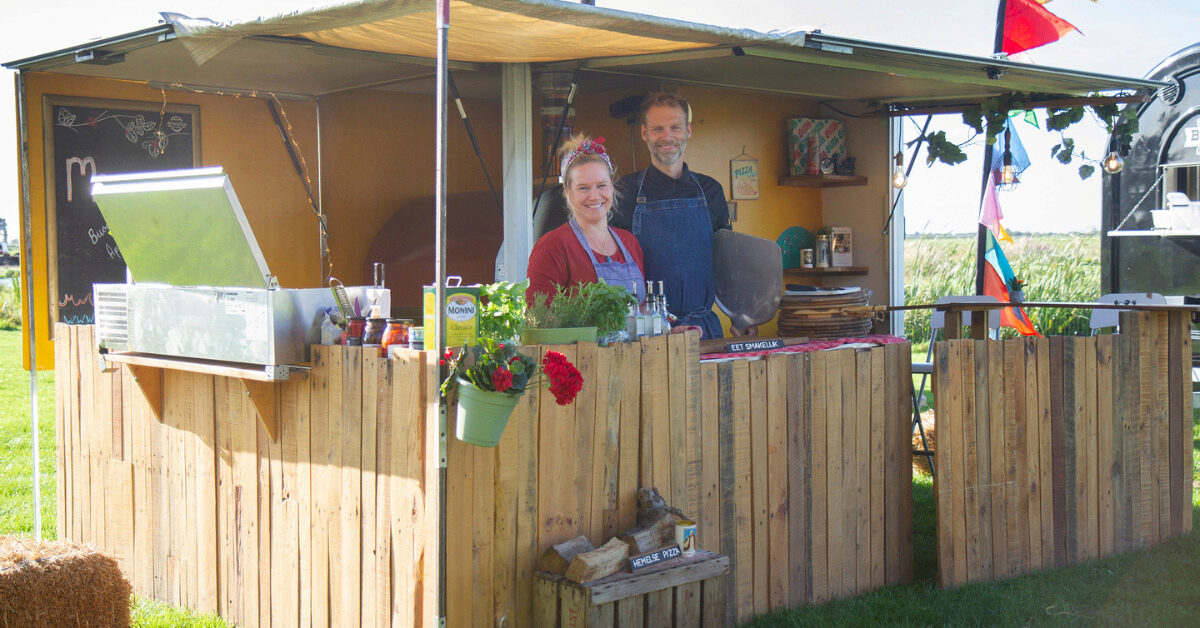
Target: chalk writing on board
{"x": 82, "y": 164}
{"x": 135, "y": 126}
{"x": 91, "y": 137}
{"x": 69, "y": 299}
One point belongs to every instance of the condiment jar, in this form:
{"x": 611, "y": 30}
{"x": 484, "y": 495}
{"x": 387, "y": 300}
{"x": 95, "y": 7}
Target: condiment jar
{"x": 373, "y": 334}
{"x": 396, "y": 333}
{"x": 354, "y": 331}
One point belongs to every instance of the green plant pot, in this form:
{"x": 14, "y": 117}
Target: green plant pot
{"x": 558, "y": 335}
{"x": 482, "y": 414}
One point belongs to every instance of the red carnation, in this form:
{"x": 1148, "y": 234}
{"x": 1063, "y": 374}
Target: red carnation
{"x": 565, "y": 379}
{"x": 502, "y": 379}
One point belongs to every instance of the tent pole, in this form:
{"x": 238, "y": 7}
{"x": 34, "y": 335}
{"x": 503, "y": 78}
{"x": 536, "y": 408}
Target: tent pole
{"x": 443, "y": 27}
{"x": 981, "y": 238}
{"x": 27, "y": 285}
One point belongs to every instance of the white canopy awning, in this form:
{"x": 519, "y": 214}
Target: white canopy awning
{"x": 391, "y": 44}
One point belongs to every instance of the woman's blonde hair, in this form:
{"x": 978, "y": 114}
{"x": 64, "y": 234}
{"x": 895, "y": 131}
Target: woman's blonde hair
{"x": 581, "y": 149}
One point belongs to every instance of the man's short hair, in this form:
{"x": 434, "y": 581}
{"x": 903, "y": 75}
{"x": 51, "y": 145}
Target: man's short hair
{"x": 665, "y": 97}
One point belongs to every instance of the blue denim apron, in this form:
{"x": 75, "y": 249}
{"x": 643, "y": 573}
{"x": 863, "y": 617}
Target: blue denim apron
{"x": 614, "y": 273}
{"x": 677, "y": 248}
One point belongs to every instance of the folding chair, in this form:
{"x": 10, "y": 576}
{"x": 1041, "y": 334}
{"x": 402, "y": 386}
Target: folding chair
{"x": 937, "y": 320}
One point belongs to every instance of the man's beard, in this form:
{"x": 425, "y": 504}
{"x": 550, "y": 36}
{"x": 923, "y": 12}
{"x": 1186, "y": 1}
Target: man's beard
{"x": 672, "y": 157}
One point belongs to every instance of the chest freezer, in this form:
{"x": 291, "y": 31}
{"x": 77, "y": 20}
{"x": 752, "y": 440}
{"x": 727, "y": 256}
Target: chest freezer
{"x": 199, "y": 285}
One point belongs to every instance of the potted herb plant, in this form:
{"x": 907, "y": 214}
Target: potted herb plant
{"x": 585, "y": 312}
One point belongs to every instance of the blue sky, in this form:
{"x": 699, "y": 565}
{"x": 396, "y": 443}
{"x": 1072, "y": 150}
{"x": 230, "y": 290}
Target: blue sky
{"x": 1121, "y": 37}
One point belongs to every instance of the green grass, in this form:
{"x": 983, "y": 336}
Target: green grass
{"x": 16, "y": 459}
{"x": 1055, "y": 268}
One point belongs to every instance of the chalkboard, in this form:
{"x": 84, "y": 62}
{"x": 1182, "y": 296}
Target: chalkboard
{"x": 86, "y": 137}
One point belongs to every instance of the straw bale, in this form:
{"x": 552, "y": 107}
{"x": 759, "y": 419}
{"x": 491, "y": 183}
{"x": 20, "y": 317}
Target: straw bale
{"x": 60, "y": 583}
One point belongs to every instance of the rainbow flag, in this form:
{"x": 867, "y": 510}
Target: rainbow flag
{"x": 997, "y": 276}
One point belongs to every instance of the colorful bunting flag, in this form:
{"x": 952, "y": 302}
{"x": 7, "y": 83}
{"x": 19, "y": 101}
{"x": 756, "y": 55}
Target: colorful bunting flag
{"x": 997, "y": 277}
{"x": 1028, "y": 24}
{"x": 990, "y": 214}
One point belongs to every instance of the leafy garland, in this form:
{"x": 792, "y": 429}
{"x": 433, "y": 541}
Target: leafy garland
{"x": 991, "y": 115}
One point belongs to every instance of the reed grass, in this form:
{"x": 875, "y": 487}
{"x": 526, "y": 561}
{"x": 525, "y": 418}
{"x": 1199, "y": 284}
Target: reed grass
{"x": 1056, "y": 268}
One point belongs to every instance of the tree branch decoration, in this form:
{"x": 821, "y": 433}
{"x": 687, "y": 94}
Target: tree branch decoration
{"x": 990, "y": 116}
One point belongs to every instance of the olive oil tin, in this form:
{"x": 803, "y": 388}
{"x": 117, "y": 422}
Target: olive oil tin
{"x": 462, "y": 313}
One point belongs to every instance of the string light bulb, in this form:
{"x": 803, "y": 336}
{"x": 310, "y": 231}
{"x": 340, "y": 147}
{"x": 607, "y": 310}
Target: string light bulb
{"x": 899, "y": 180}
{"x": 1112, "y": 164}
{"x": 1007, "y": 175}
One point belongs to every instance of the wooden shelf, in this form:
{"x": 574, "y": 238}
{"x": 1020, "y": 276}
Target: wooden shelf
{"x": 826, "y": 272}
{"x": 823, "y": 180}
{"x": 258, "y": 381}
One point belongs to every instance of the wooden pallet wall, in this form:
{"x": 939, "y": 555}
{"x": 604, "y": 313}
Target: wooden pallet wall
{"x": 324, "y": 526}
{"x": 1054, "y": 451}
{"x": 797, "y": 467}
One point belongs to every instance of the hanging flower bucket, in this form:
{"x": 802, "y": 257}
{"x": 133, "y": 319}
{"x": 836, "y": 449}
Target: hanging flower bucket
{"x": 482, "y": 414}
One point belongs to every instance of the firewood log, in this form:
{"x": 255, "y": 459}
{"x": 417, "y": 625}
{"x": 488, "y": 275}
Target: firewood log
{"x": 659, "y": 532}
{"x": 558, "y": 558}
{"x": 607, "y": 559}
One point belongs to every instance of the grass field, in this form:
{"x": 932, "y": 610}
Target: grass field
{"x": 1055, "y": 268}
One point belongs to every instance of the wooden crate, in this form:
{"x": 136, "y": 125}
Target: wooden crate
{"x": 686, "y": 592}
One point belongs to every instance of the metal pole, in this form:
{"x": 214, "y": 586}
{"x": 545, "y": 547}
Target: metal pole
{"x": 443, "y": 28}
{"x": 27, "y": 281}
{"x": 981, "y": 238}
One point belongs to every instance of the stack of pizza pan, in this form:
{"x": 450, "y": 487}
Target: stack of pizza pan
{"x": 825, "y": 313}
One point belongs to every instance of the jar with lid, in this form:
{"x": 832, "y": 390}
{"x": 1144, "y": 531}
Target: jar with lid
{"x": 354, "y": 331}
{"x": 373, "y": 334}
{"x": 396, "y": 333}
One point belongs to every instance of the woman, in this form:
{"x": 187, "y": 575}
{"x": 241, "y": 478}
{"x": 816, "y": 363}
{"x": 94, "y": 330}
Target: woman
{"x": 586, "y": 249}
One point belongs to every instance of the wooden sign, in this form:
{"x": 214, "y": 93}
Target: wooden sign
{"x": 648, "y": 559}
{"x": 750, "y": 346}
{"x": 743, "y": 179}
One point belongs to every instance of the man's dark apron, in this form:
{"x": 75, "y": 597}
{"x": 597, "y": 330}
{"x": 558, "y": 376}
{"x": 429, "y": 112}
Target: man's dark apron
{"x": 677, "y": 248}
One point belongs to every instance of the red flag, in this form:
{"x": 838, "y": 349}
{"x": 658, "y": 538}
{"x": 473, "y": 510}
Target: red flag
{"x": 1027, "y": 24}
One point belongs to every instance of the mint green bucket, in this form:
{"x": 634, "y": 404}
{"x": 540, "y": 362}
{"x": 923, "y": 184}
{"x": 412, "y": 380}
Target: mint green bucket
{"x": 482, "y": 414}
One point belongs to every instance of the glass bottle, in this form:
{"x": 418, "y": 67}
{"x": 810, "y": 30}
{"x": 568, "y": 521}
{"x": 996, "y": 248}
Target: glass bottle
{"x": 653, "y": 321}
{"x": 663, "y": 312}
{"x": 633, "y": 319}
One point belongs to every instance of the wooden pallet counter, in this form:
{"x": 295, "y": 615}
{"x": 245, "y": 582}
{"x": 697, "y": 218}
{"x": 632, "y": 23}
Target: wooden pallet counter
{"x": 797, "y": 467}
{"x": 1054, "y": 451}
{"x": 327, "y": 524}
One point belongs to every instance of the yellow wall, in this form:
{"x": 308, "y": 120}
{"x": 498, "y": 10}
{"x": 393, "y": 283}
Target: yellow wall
{"x": 378, "y": 150}
{"x": 378, "y": 154}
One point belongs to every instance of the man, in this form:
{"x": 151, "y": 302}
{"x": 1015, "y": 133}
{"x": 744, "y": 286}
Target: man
{"x": 674, "y": 213}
